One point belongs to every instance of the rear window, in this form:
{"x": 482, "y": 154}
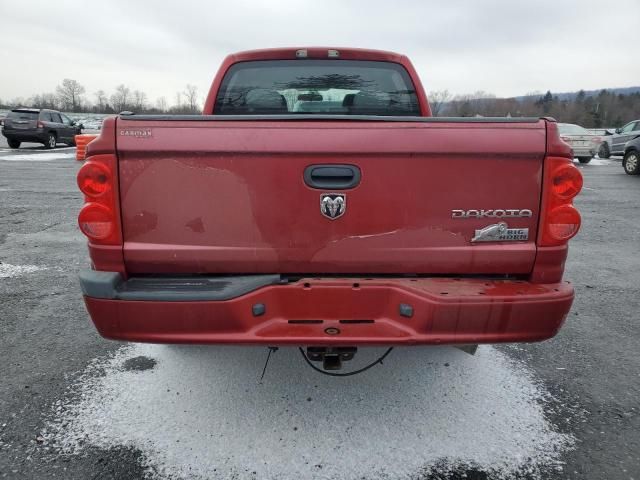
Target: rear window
{"x": 335, "y": 87}
{"x": 19, "y": 115}
{"x": 569, "y": 129}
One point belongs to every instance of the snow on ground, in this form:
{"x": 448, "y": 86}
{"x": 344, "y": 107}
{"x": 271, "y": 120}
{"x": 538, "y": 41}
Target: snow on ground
{"x": 90, "y": 121}
{"x": 599, "y": 162}
{"x": 8, "y": 271}
{"x": 602, "y": 161}
{"x": 200, "y": 412}
{"x": 37, "y": 156}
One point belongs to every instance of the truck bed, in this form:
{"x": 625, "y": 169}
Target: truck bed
{"x": 322, "y": 206}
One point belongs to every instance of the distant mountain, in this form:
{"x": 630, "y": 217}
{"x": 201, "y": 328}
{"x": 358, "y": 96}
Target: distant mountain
{"x": 588, "y": 93}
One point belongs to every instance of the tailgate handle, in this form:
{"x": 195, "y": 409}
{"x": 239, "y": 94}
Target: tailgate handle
{"x": 332, "y": 176}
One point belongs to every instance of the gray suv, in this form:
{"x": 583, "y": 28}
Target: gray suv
{"x": 614, "y": 144}
{"x": 48, "y": 127}
{"x": 631, "y": 161}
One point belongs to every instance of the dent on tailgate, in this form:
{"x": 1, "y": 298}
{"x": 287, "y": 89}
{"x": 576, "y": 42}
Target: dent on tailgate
{"x": 229, "y": 197}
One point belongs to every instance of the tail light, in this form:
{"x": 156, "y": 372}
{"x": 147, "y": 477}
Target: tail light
{"x": 99, "y": 218}
{"x": 40, "y": 125}
{"x": 96, "y": 221}
{"x": 566, "y": 181}
{"x": 94, "y": 179}
{"x": 560, "y": 219}
{"x": 562, "y": 223}
{"x": 566, "y": 139}
{"x": 596, "y": 140}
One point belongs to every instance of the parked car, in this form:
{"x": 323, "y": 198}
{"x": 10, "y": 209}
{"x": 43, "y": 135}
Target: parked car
{"x": 583, "y": 143}
{"x": 48, "y": 127}
{"x": 601, "y": 131}
{"x": 615, "y": 144}
{"x": 255, "y": 223}
{"x": 631, "y": 160}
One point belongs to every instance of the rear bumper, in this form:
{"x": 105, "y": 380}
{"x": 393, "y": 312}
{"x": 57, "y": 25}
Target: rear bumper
{"x": 584, "y": 151}
{"x": 381, "y": 311}
{"x": 31, "y": 135}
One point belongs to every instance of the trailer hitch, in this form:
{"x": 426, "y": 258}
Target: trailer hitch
{"x": 331, "y": 357}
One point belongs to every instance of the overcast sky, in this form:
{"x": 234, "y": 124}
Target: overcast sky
{"x": 504, "y": 47}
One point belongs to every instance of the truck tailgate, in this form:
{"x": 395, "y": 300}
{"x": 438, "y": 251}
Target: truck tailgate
{"x": 220, "y": 196}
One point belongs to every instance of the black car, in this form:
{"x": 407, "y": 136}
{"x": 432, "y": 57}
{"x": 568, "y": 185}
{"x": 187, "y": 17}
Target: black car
{"x": 48, "y": 127}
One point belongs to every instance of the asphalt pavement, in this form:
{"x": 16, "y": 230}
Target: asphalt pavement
{"x": 76, "y": 406}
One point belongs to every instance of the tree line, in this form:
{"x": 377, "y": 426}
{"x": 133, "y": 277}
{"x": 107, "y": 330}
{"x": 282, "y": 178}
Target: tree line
{"x": 71, "y": 96}
{"x": 603, "y": 110}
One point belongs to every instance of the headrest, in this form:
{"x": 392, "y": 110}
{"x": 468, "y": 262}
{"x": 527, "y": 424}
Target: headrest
{"x": 265, "y": 99}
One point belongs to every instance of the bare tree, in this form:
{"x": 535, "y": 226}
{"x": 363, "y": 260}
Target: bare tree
{"x": 45, "y": 100}
{"x": 139, "y": 100}
{"x": 101, "y": 99}
{"x": 437, "y": 100}
{"x": 178, "y": 107}
{"x": 161, "y": 104}
{"x": 120, "y": 99}
{"x": 70, "y": 94}
{"x": 191, "y": 95}
{"x": 35, "y": 101}
{"x": 17, "y": 102}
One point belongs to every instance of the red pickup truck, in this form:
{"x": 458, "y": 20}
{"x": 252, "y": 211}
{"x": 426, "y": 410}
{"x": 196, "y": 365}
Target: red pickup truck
{"x": 317, "y": 203}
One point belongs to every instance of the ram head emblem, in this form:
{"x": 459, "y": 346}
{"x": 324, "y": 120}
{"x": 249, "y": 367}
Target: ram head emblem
{"x": 333, "y": 205}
